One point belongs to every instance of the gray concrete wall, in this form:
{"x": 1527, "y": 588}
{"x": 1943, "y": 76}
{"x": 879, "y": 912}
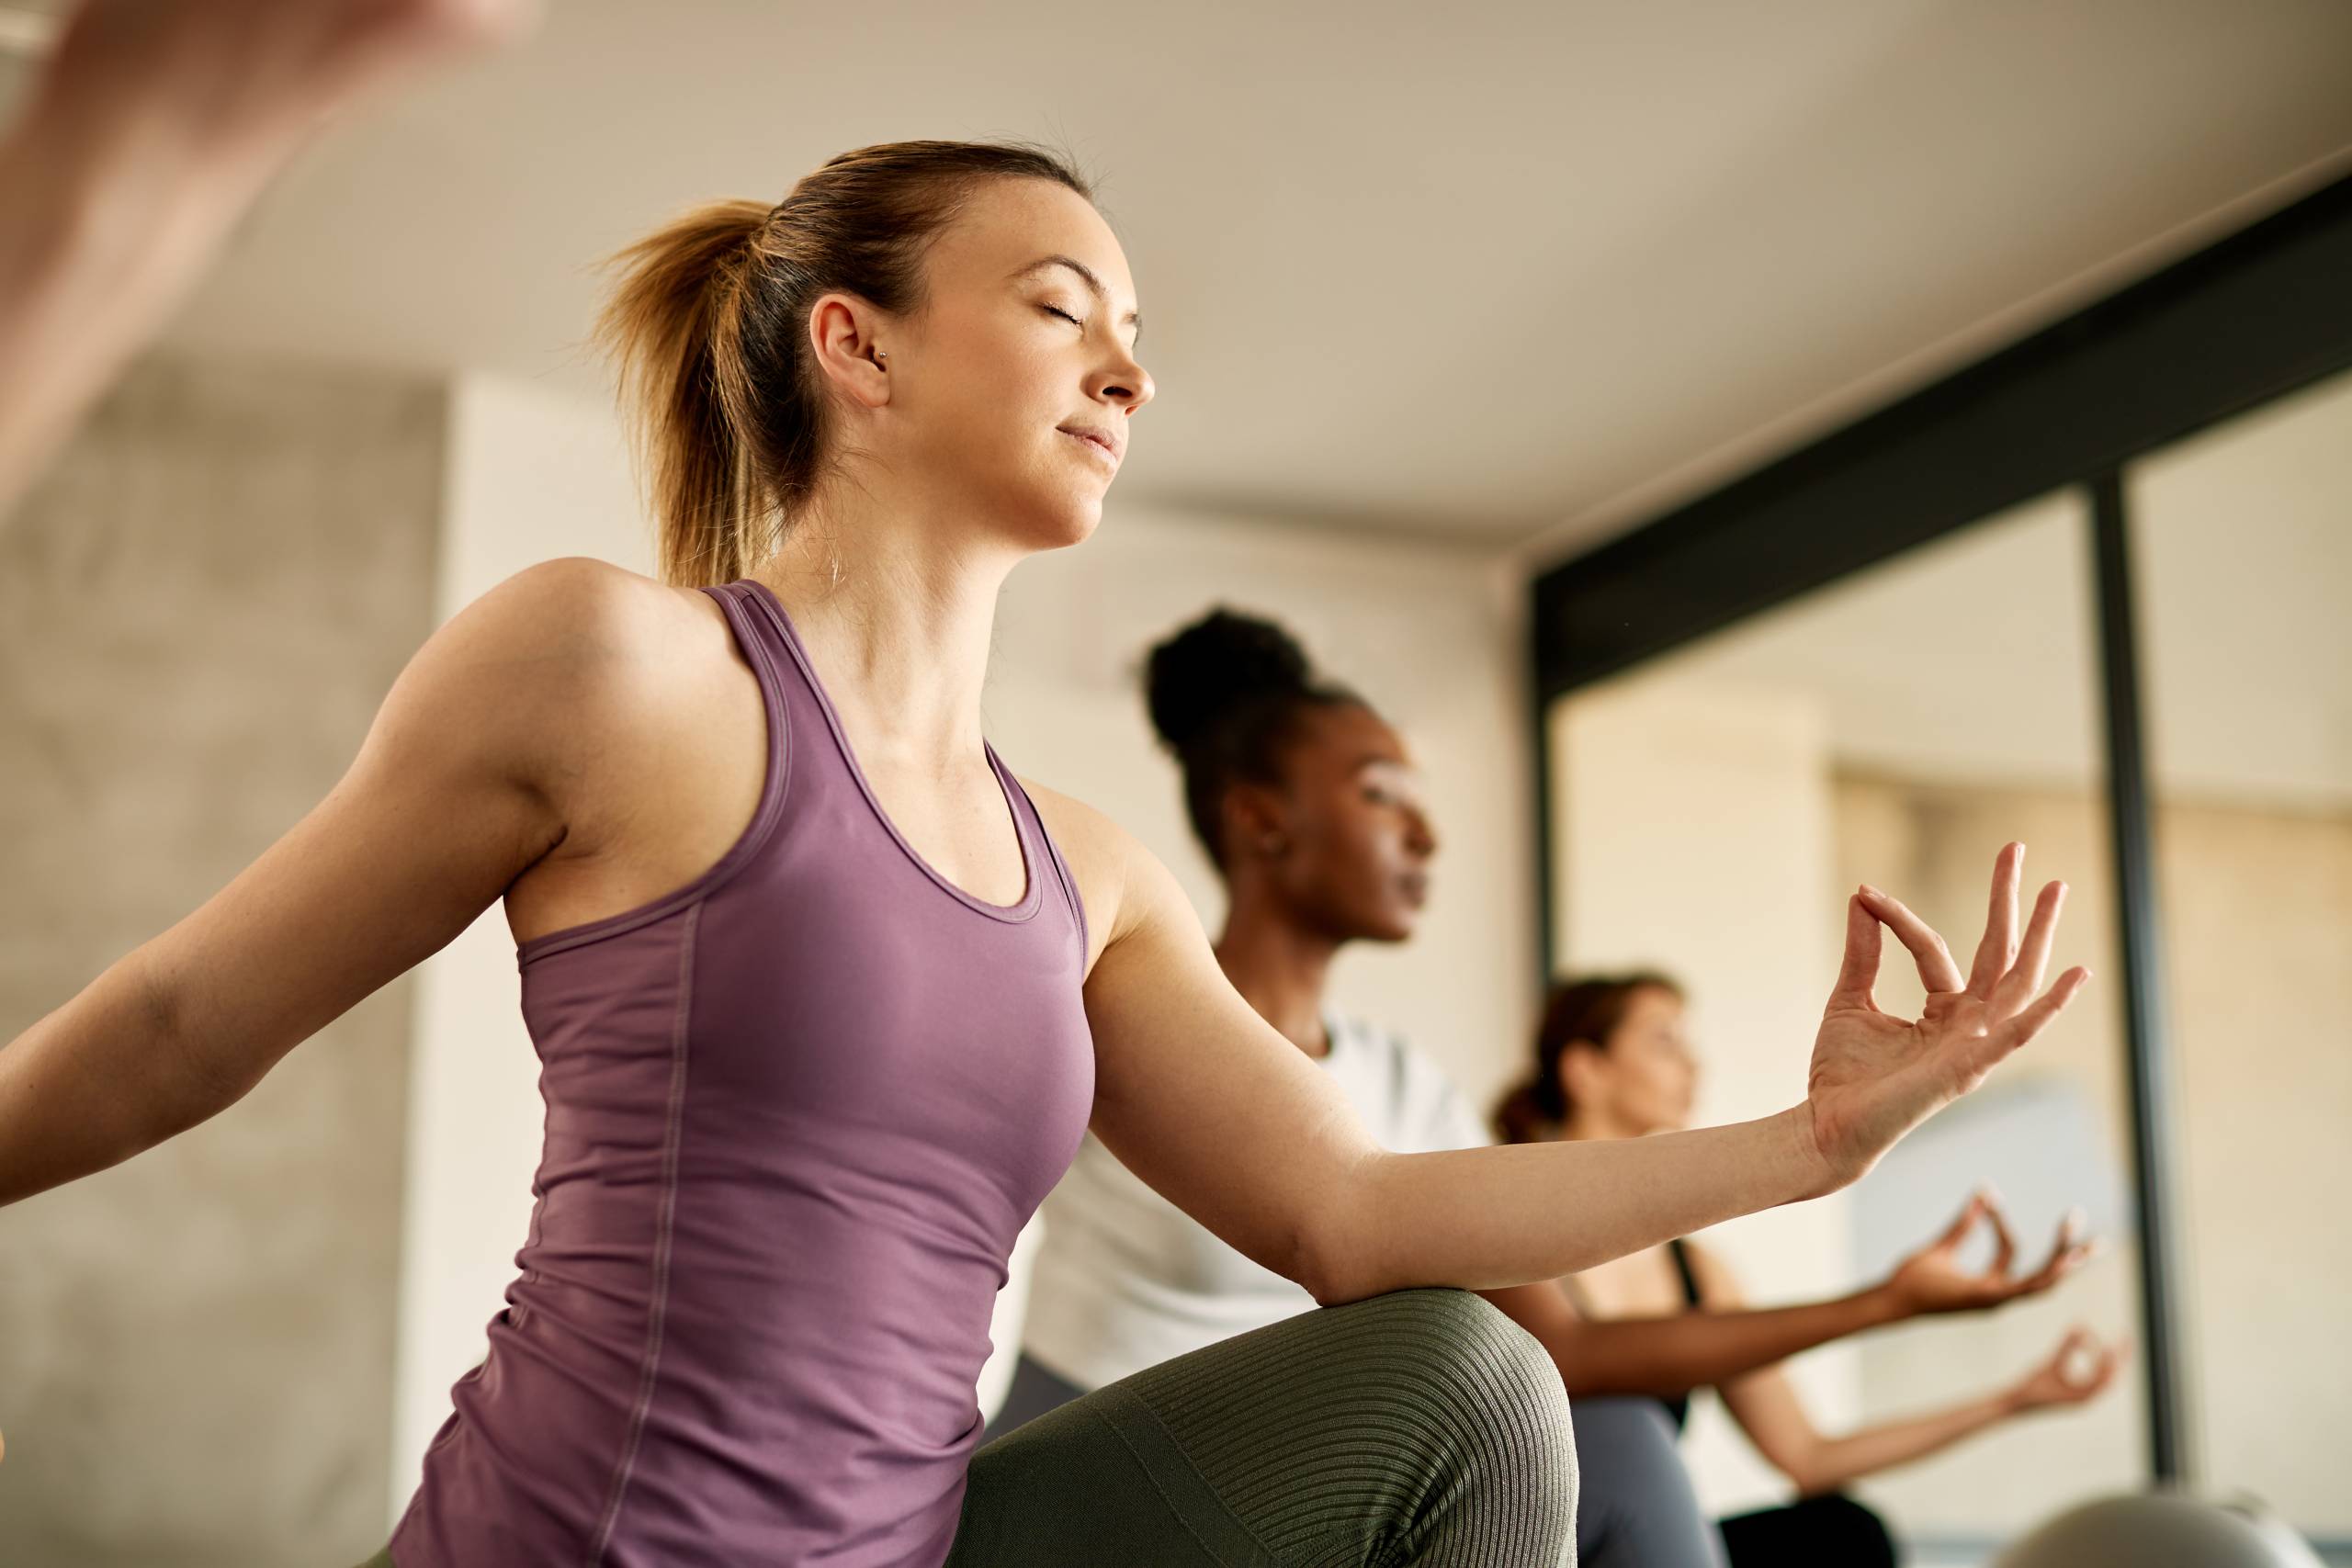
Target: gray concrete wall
{"x": 200, "y": 612}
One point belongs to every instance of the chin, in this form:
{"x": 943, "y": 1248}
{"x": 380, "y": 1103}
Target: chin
{"x": 1063, "y": 520}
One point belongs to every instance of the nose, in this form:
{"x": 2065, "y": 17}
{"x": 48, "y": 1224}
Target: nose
{"x": 1419, "y": 836}
{"x": 1122, "y": 383}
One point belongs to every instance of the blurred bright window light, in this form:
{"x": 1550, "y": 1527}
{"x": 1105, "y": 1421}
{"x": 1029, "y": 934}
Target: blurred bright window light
{"x": 26, "y": 32}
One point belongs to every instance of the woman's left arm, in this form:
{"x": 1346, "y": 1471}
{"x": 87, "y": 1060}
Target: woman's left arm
{"x": 1208, "y": 1104}
{"x": 1766, "y": 1405}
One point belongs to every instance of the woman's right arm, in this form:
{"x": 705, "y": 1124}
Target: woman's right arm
{"x": 1200, "y": 1097}
{"x": 456, "y": 790}
{"x": 1669, "y": 1356}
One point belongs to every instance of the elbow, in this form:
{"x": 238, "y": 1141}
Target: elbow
{"x": 1319, "y": 1264}
{"x": 193, "y": 1083}
{"x": 1332, "y": 1257}
{"x": 1809, "y": 1476}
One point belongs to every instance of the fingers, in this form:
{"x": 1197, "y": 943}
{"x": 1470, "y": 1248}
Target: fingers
{"x": 2066, "y": 1254}
{"x": 2013, "y": 1034}
{"x": 1957, "y": 1232}
{"x": 1937, "y": 970}
{"x": 1859, "y": 972}
{"x": 1998, "y": 951}
{"x": 2061, "y": 1362}
{"x": 2024, "y": 978}
{"x": 2005, "y": 1240}
{"x": 2083, "y": 1365}
{"x": 2076, "y": 1339}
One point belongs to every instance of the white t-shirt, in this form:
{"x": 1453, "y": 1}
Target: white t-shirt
{"x": 1127, "y": 1279}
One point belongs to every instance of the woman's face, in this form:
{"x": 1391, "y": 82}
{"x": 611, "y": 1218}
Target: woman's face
{"x": 1353, "y": 850}
{"x": 1646, "y": 1081}
{"x": 1012, "y": 387}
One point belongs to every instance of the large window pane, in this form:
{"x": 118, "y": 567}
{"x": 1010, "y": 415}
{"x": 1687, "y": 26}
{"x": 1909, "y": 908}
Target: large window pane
{"x": 2242, "y": 542}
{"x": 1712, "y": 809}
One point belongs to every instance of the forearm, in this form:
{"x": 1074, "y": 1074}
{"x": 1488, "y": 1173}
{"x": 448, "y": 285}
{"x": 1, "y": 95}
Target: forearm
{"x": 1838, "y": 1462}
{"x": 104, "y": 1078}
{"x": 104, "y": 224}
{"x": 1484, "y": 1218}
{"x": 1672, "y": 1356}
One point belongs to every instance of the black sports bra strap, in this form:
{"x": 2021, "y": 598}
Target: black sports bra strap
{"x": 1681, "y": 1255}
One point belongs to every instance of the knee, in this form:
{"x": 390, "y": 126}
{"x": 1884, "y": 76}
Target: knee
{"x": 1476, "y": 1342}
{"x": 1511, "y": 1408}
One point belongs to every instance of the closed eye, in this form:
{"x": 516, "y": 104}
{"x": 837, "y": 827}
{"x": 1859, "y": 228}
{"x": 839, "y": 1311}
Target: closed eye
{"x": 1065, "y": 315}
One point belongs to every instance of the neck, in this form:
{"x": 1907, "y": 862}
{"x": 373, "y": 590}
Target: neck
{"x": 1582, "y": 1123}
{"x": 898, "y": 608}
{"x": 1279, "y": 968}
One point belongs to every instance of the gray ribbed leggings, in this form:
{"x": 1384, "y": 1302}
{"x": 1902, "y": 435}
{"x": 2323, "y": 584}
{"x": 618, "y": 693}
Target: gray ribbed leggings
{"x": 1422, "y": 1429}
{"x": 1635, "y": 1505}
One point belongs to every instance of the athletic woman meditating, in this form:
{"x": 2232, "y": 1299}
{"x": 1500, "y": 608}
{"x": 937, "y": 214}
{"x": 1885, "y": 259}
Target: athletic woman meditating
{"x": 1310, "y": 808}
{"x": 825, "y": 998}
{"x": 1613, "y": 1061}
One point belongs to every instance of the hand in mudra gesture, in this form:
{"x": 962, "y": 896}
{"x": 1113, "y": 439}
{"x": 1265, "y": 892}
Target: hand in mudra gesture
{"x": 1876, "y": 1076}
{"x": 1933, "y": 1279}
{"x": 2079, "y": 1371}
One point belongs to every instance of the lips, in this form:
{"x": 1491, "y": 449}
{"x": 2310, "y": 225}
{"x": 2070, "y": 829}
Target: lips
{"x": 1102, "y": 440}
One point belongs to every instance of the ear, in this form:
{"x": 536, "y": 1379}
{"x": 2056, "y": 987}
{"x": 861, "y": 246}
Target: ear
{"x": 1582, "y": 1072}
{"x": 1257, "y": 821}
{"x": 843, "y": 333}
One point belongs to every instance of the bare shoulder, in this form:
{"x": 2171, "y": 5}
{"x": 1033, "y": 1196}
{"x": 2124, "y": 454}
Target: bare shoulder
{"x": 576, "y": 628}
{"x": 1122, "y": 883}
{"x": 563, "y": 664}
{"x": 577, "y": 613}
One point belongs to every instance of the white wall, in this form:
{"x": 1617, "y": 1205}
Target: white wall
{"x": 1429, "y": 634}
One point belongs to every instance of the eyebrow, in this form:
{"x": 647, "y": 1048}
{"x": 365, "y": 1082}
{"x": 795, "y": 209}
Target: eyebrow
{"x": 1087, "y": 276}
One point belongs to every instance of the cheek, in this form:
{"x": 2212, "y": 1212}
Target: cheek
{"x": 1357, "y": 857}
{"x": 986, "y": 377}
{"x": 1369, "y": 833}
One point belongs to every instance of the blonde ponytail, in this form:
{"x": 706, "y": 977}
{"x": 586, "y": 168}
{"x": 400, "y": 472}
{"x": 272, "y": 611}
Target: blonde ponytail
{"x": 673, "y": 328}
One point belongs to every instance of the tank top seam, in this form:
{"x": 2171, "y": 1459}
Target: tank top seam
{"x": 1062, "y": 873}
{"x": 773, "y": 789}
{"x": 1033, "y": 893}
{"x": 673, "y": 1137}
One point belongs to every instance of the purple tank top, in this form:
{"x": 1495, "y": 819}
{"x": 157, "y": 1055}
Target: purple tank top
{"x": 796, "y": 1112}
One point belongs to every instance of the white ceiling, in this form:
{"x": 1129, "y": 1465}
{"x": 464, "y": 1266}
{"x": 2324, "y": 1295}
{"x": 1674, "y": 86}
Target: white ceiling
{"x": 1487, "y": 270}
